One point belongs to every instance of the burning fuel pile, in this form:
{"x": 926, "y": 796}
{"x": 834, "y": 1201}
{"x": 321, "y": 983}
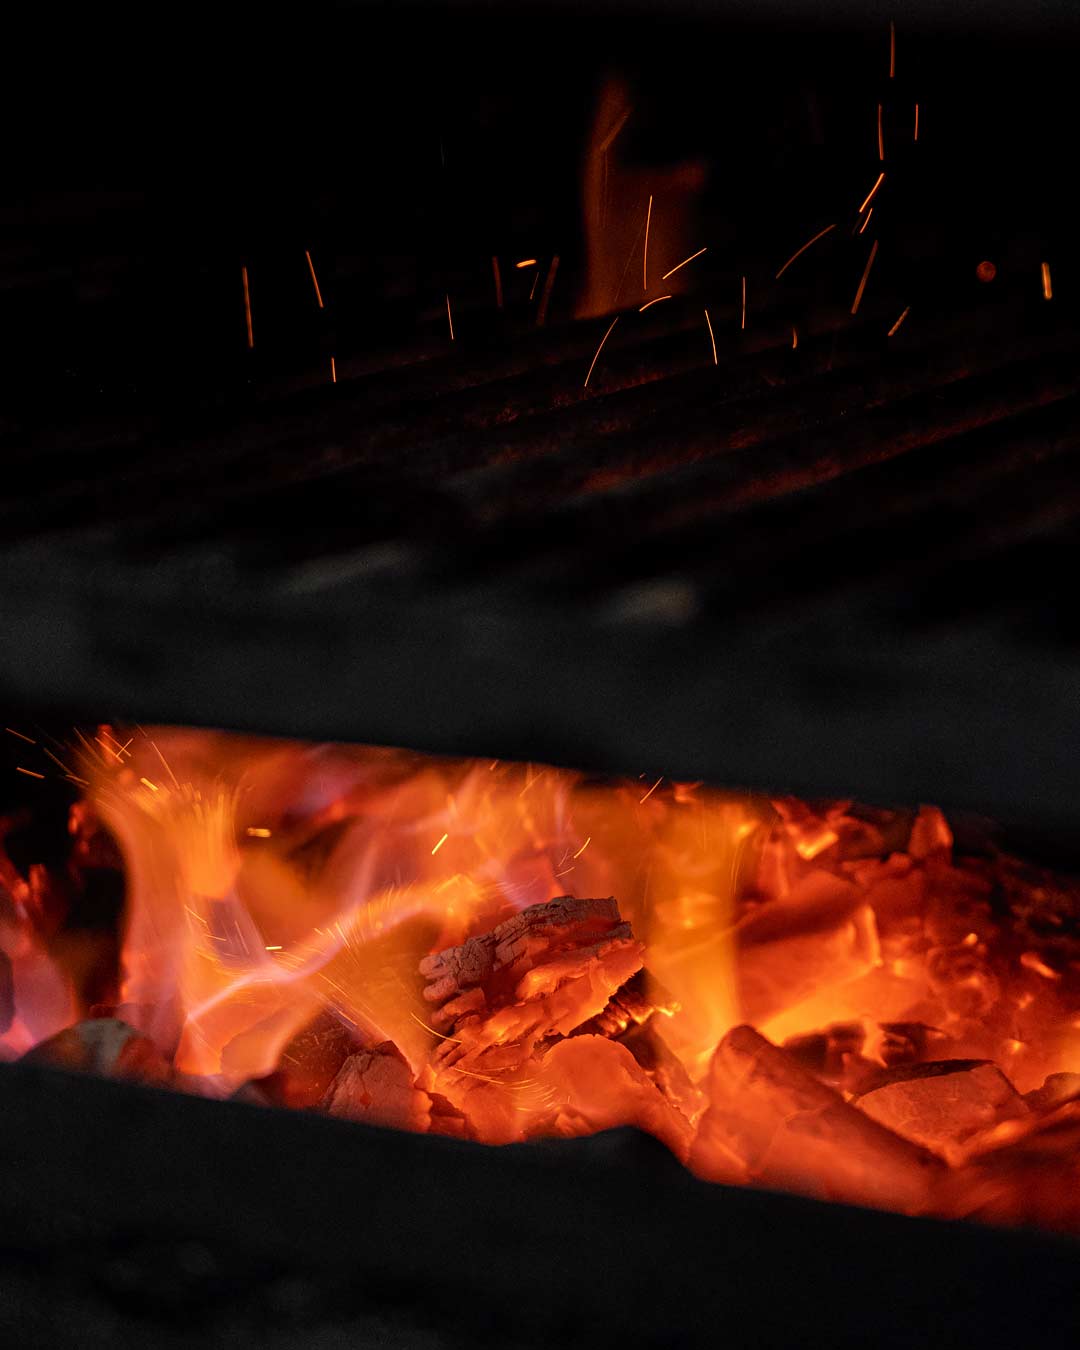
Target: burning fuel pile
{"x": 825, "y": 998}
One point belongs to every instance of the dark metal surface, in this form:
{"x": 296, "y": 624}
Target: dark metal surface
{"x": 129, "y": 1217}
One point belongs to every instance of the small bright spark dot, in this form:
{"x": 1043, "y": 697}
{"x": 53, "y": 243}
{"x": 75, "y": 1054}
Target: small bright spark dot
{"x": 439, "y": 844}
{"x": 744, "y": 302}
{"x": 275, "y": 948}
{"x": 986, "y": 271}
{"x": 712, "y": 338}
{"x": 333, "y": 371}
{"x": 496, "y": 272}
{"x": 797, "y": 254}
{"x": 247, "y": 309}
{"x": 450, "y": 318}
{"x": 880, "y": 136}
{"x": 12, "y": 732}
{"x": 650, "y": 303}
{"x": 599, "y": 349}
{"x": 582, "y": 849}
{"x": 683, "y": 263}
{"x": 870, "y": 194}
{"x": 866, "y": 273}
{"x": 29, "y": 772}
{"x": 645, "y": 258}
{"x": 525, "y": 262}
{"x": 867, "y": 220}
{"x": 314, "y": 278}
{"x": 147, "y": 783}
{"x": 899, "y": 321}
{"x": 258, "y": 832}
{"x": 651, "y": 791}
{"x": 1048, "y": 290}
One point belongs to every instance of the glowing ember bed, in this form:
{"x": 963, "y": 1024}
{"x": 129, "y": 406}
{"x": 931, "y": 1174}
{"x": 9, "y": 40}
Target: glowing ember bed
{"x": 828, "y": 999}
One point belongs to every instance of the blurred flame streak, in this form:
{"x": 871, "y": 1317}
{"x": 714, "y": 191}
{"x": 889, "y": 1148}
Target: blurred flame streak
{"x": 545, "y": 294}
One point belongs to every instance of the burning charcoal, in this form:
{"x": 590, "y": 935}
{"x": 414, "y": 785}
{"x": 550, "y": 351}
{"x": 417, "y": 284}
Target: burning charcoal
{"x": 600, "y": 1086}
{"x": 943, "y": 1103}
{"x": 104, "y": 1046}
{"x": 1058, "y": 1089}
{"x": 377, "y": 1087}
{"x": 1032, "y": 1176}
{"x": 500, "y": 958}
{"x": 309, "y": 1063}
{"x": 820, "y": 935}
{"x": 909, "y": 1043}
{"x": 771, "y": 1120}
{"x": 826, "y": 1053}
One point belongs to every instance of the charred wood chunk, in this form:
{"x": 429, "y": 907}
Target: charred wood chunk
{"x": 771, "y": 1120}
{"x": 943, "y": 1103}
{"x": 1030, "y": 1175}
{"x": 827, "y": 1053}
{"x": 497, "y": 960}
{"x": 107, "y": 1047}
{"x": 377, "y": 1087}
{"x": 910, "y": 1043}
{"x": 1058, "y": 1089}
{"x": 546, "y": 971}
{"x": 309, "y": 1063}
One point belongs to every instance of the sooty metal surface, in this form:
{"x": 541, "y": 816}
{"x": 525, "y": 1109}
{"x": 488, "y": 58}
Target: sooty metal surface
{"x": 131, "y": 1217}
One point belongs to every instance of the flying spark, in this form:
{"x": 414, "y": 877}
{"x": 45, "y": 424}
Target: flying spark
{"x": 651, "y": 791}
{"x": 29, "y": 772}
{"x": 545, "y": 294}
{"x": 582, "y": 849}
{"x": 333, "y": 371}
{"x": 899, "y": 321}
{"x": 794, "y": 337}
{"x": 147, "y": 783}
{"x": 880, "y": 136}
{"x": 712, "y": 338}
{"x": 258, "y": 832}
{"x": 525, "y": 262}
{"x": 797, "y": 254}
{"x": 450, "y": 318}
{"x": 870, "y": 194}
{"x": 916, "y": 136}
{"x": 12, "y": 732}
{"x": 314, "y": 278}
{"x": 496, "y": 272}
{"x": 866, "y": 273}
{"x": 645, "y": 256}
{"x": 649, "y": 303}
{"x": 439, "y": 844}
{"x": 867, "y": 220}
{"x": 247, "y": 309}
{"x": 892, "y": 50}
{"x": 744, "y": 302}
{"x": 599, "y": 349}
{"x": 1048, "y": 290}
{"x": 683, "y": 263}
